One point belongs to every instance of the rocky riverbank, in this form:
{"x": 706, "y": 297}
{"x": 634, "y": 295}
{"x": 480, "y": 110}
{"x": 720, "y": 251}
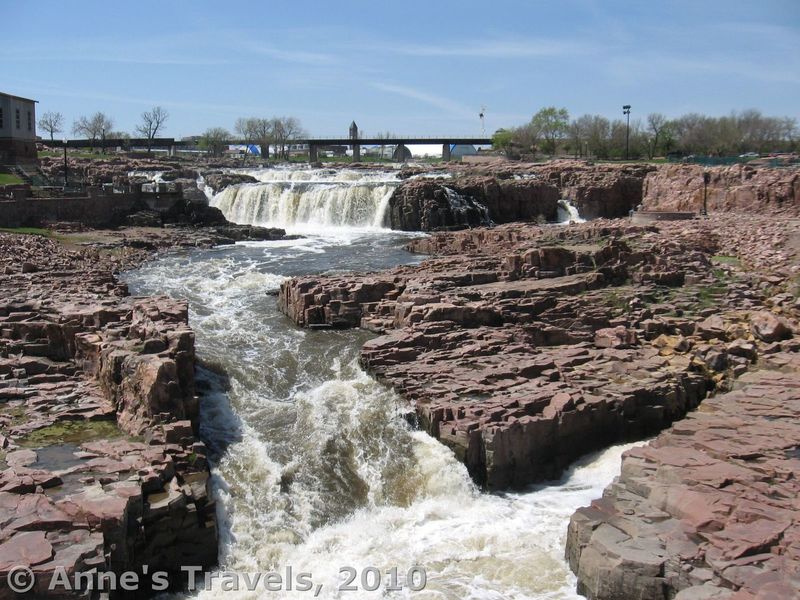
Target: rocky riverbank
{"x": 522, "y": 347}
{"x": 101, "y": 468}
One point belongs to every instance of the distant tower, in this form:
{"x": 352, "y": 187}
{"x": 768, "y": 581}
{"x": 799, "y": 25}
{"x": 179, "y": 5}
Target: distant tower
{"x": 482, "y": 115}
{"x": 356, "y": 147}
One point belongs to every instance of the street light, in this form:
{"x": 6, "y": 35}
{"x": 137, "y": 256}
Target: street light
{"x": 626, "y": 110}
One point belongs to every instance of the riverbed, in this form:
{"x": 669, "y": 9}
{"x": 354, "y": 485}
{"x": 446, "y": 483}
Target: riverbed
{"x": 316, "y": 466}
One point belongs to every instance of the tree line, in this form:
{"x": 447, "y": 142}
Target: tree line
{"x": 278, "y": 132}
{"x": 256, "y": 131}
{"x": 551, "y": 131}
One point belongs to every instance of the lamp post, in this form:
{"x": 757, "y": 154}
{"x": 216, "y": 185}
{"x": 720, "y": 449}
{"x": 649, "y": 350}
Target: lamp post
{"x": 706, "y": 181}
{"x": 626, "y": 110}
{"x": 65, "y": 164}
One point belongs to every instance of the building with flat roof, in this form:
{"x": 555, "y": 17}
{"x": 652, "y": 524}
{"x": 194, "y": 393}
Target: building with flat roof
{"x": 17, "y": 130}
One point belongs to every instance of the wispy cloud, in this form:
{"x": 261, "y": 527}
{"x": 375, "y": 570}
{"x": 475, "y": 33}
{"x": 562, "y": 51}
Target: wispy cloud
{"x": 521, "y": 48}
{"x": 445, "y": 104}
{"x": 287, "y": 55}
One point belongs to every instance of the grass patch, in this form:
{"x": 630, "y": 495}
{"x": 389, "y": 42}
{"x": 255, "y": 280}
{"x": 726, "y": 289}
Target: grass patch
{"x": 8, "y": 179}
{"x": 726, "y": 260}
{"x": 28, "y": 231}
{"x": 72, "y": 432}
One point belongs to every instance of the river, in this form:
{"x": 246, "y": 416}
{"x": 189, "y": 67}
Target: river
{"x": 314, "y": 465}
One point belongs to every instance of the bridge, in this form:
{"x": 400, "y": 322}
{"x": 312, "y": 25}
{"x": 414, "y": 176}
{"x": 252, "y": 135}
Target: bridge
{"x": 314, "y": 143}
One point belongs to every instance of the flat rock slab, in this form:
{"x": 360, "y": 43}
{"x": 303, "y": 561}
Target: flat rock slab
{"x": 714, "y": 499}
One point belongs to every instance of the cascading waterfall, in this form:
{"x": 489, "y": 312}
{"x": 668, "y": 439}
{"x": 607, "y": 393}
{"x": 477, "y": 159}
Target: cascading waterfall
{"x": 568, "y": 212}
{"x": 315, "y": 466}
{"x": 309, "y": 198}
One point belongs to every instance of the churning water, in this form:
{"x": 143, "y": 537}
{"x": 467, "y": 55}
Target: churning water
{"x": 309, "y": 198}
{"x": 315, "y": 466}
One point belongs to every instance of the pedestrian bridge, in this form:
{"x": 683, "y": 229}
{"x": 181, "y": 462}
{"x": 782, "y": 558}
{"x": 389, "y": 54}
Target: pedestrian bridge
{"x": 314, "y": 144}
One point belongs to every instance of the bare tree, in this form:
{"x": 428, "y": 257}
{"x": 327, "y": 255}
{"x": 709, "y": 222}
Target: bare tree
{"x": 94, "y": 127}
{"x": 285, "y": 130}
{"x": 52, "y": 123}
{"x": 246, "y": 130}
{"x": 214, "y": 140}
{"x": 152, "y": 122}
{"x": 262, "y": 134}
{"x": 656, "y": 122}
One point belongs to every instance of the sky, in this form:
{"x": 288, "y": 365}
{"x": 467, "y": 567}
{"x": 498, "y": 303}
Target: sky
{"x": 408, "y": 67}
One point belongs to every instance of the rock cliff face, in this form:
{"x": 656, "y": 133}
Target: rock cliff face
{"x": 523, "y": 347}
{"x": 435, "y": 204}
{"x": 101, "y": 466}
{"x": 738, "y": 188}
{"x": 515, "y": 192}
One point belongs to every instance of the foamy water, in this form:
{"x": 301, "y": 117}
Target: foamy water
{"x": 316, "y": 467}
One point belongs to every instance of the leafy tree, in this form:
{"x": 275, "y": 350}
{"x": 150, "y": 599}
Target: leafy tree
{"x": 503, "y": 139}
{"x": 215, "y": 140}
{"x": 552, "y": 122}
{"x": 52, "y": 123}
{"x": 152, "y": 122}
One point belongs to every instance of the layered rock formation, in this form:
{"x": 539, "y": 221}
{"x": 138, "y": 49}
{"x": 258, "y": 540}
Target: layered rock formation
{"x": 526, "y": 346}
{"x": 101, "y": 466}
{"x": 738, "y": 188}
{"x": 709, "y": 509}
{"x": 434, "y": 204}
{"x": 507, "y": 192}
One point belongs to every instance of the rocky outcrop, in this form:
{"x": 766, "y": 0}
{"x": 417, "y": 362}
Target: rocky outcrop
{"x": 434, "y": 204}
{"x": 738, "y": 188}
{"x": 218, "y": 181}
{"x": 524, "y": 191}
{"x": 522, "y": 347}
{"x": 102, "y": 470}
{"x": 709, "y": 508}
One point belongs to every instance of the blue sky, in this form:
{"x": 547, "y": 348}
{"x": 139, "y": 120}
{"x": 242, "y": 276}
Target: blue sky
{"x": 406, "y": 66}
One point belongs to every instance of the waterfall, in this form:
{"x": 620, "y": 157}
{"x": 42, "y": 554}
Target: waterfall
{"x": 467, "y": 211}
{"x": 301, "y": 198}
{"x": 568, "y": 212}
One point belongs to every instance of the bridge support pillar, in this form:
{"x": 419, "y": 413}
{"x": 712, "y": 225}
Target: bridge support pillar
{"x": 446, "y": 152}
{"x": 313, "y": 153}
{"x": 265, "y": 151}
{"x": 401, "y": 153}
{"x": 356, "y": 153}
{"x": 172, "y": 150}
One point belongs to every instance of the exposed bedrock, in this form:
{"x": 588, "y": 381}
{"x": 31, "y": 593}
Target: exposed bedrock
{"x": 524, "y": 192}
{"x": 428, "y": 205}
{"x": 101, "y": 466}
{"x": 709, "y": 509}
{"x": 738, "y": 188}
{"x": 523, "y": 347}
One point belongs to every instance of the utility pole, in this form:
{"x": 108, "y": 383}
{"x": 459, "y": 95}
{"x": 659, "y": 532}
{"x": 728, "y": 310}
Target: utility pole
{"x": 626, "y": 110}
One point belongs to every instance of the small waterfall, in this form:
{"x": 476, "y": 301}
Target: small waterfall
{"x": 467, "y": 210}
{"x": 309, "y": 198}
{"x": 568, "y": 212}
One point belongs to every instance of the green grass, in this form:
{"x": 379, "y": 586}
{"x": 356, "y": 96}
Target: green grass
{"x": 726, "y": 260}
{"x": 28, "y": 231}
{"x": 8, "y": 179}
{"x": 72, "y": 432}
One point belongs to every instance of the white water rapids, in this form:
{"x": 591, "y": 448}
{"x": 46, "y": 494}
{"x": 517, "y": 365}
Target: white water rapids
{"x": 314, "y": 464}
{"x": 309, "y": 198}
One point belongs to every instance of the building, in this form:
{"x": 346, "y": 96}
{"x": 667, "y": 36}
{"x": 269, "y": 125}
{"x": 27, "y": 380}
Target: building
{"x": 17, "y": 130}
